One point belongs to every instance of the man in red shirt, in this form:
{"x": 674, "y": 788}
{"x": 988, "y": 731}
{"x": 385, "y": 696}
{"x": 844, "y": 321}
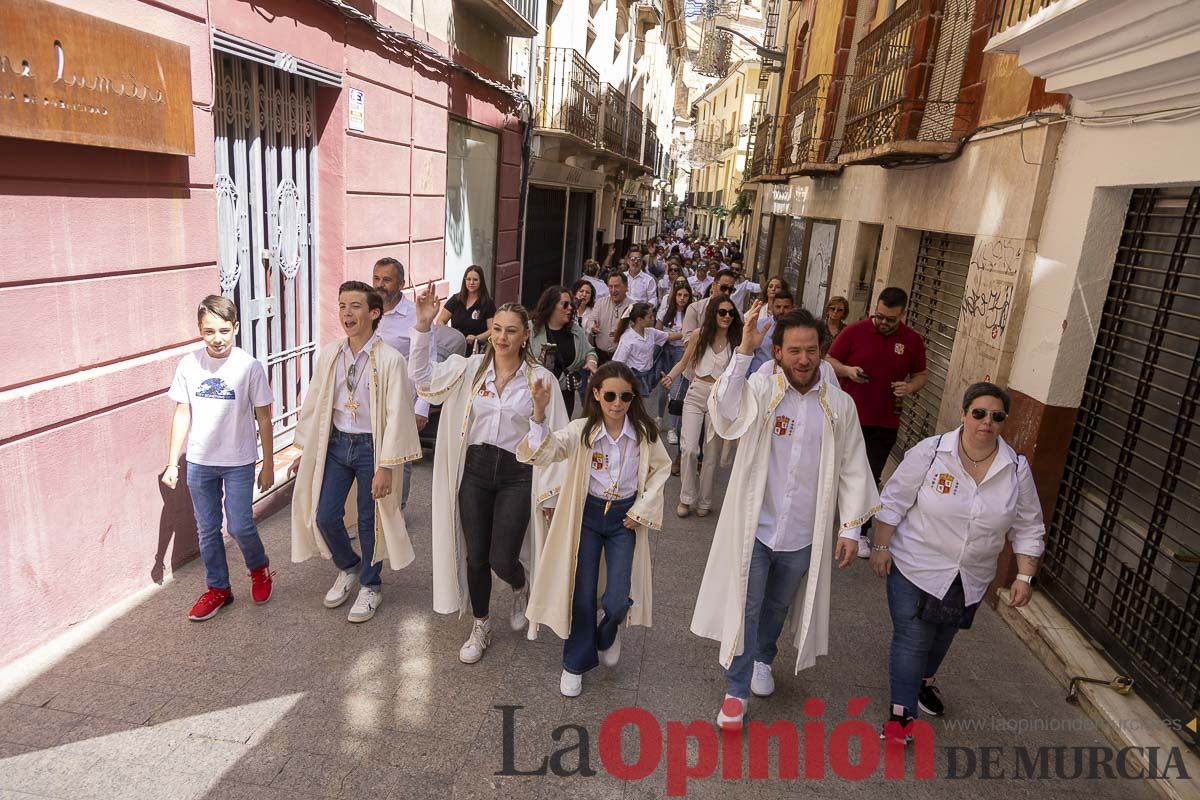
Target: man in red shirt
{"x": 879, "y": 361}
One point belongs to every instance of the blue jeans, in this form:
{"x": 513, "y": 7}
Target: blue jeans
{"x": 774, "y": 580}
{"x": 351, "y": 456}
{"x": 600, "y": 532}
{"x": 918, "y": 647}
{"x": 669, "y": 355}
{"x": 205, "y": 484}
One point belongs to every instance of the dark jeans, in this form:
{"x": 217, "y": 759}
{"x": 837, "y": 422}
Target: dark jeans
{"x": 351, "y": 456}
{"x": 494, "y": 505}
{"x": 879, "y": 443}
{"x": 607, "y": 533}
{"x": 205, "y": 484}
{"x": 918, "y": 647}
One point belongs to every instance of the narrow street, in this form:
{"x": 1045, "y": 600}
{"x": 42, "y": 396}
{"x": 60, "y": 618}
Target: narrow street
{"x": 290, "y": 701}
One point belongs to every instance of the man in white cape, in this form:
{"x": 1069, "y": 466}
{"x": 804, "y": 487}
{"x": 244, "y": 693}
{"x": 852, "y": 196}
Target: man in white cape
{"x": 802, "y": 461}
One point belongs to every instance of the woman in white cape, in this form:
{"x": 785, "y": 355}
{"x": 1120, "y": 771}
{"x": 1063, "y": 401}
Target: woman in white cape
{"x": 489, "y": 511}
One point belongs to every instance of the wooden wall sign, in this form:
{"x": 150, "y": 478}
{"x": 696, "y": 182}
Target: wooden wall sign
{"x": 66, "y": 76}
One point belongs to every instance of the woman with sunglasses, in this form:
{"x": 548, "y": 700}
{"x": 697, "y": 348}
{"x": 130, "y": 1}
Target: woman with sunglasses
{"x": 947, "y": 511}
{"x": 555, "y": 332}
{"x": 836, "y": 311}
{"x": 704, "y": 359}
{"x": 670, "y": 318}
{"x": 612, "y": 495}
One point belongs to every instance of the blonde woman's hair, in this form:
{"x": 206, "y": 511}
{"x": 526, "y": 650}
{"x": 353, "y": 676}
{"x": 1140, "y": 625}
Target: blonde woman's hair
{"x": 837, "y": 298}
{"x": 489, "y": 356}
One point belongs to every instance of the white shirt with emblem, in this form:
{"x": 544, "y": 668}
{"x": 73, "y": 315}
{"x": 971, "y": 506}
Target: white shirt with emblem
{"x": 615, "y": 462}
{"x": 946, "y": 525}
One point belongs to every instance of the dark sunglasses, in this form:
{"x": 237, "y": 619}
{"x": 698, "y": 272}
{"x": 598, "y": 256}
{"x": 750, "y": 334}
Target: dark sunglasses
{"x": 997, "y": 416}
{"x": 626, "y": 397}
{"x": 565, "y": 304}
{"x": 724, "y": 312}
{"x": 723, "y": 287}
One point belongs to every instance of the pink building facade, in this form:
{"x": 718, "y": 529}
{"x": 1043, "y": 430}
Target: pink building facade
{"x": 106, "y": 253}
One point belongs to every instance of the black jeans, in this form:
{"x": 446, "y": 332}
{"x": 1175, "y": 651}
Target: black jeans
{"x": 494, "y": 506}
{"x": 879, "y": 443}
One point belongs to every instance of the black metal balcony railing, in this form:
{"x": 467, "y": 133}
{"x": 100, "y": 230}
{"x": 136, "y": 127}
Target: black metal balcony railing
{"x": 567, "y": 93}
{"x": 650, "y": 147}
{"x": 527, "y": 9}
{"x": 763, "y": 159}
{"x": 633, "y": 133}
{"x": 612, "y": 126}
{"x": 806, "y": 137}
{"x": 1010, "y": 12}
{"x": 729, "y": 139}
{"x": 902, "y": 94}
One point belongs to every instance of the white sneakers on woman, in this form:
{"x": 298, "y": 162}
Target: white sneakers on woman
{"x": 481, "y": 637}
{"x": 570, "y": 684}
{"x": 733, "y": 711}
{"x": 365, "y": 604}
{"x": 520, "y": 604}
{"x": 612, "y": 655}
{"x": 340, "y": 590}
{"x": 762, "y": 684}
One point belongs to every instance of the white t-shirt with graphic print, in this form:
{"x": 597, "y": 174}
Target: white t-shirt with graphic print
{"x": 223, "y": 393}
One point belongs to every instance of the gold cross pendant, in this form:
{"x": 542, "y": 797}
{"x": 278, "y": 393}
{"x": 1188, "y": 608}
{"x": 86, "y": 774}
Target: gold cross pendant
{"x": 352, "y": 407}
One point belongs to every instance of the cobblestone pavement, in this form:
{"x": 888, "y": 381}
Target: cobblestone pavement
{"x": 288, "y": 700}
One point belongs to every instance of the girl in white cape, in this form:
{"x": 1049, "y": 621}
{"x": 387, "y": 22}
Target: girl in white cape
{"x": 483, "y": 498}
{"x": 611, "y": 496}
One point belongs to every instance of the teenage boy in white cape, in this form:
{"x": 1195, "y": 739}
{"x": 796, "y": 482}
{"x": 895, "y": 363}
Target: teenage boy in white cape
{"x": 803, "y": 463}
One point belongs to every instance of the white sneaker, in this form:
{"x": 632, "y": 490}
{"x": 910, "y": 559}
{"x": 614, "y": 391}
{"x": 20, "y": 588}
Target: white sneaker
{"x": 763, "y": 682}
{"x": 570, "y": 684}
{"x": 736, "y": 707}
{"x": 365, "y": 604}
{"x": 520, "y": 604}
{"x": 864, "y": 548}
{"x": 672, "y": 437}
{"x": 481, "y": 637}
{"x": 340, "y": 590}
{"x": 612, "y": 655}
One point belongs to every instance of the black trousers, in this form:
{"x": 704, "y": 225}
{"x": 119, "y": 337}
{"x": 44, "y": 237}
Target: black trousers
{"x": 494, "y": 507}
{"x": 879, "y": 443}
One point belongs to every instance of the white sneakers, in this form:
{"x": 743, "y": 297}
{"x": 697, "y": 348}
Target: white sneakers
{"x": 520, "y": 604}
{"x": 733, "y": 711}
{"x": 763, "y": 682}
{"x": 672, "y": 437}
{"x": 340, "y": 590}
{"x": 365, "y": 605}
{"x": 481, "y": 637}
{"x": 864, "y": 548}
{"x": 612, "y": 655}
{"x": 683, "y": 509}
{"x": 570, "y": 684}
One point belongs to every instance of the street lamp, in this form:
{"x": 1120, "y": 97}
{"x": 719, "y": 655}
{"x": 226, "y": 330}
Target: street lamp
{"x": 763, "y": 52}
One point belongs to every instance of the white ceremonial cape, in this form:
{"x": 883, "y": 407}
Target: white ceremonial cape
{"x": 554, "y": 589}
{"x": 454, "y": 386}
{"x": 844, "y": 483}
{"x": 394, "y": 434}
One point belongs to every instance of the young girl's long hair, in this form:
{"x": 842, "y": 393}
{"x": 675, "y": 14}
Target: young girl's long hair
{"x": 708, "y": 329}
{"x": 672, "y": 307}
{"x": 644, "y": 425}
{"x": 489, "y": 356}
{"x": 636, "y": 312}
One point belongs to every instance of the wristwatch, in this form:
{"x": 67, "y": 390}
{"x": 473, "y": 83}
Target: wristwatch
{"x": 1030, "y": 579}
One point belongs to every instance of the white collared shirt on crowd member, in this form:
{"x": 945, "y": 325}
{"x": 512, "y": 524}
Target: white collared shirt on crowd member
{"x": 222, "y": 393}
{"x": 636, "y": 350}
{"x": 360, "y": 420}
{"x": 741, "y": 294}
{"x": 600, "y": 287}
{"x": 614, "y": 461}
{"x": 700, "y": 286}
{"x": 946, "y": 525}
{"x": 395, "y": 329}
{"x": 785, "y": 523}
{"x": 672, "y": 325}
{"x": 642, "y": 287}
{"x": 497, "y": 419}
{"x": 827, "y": 373}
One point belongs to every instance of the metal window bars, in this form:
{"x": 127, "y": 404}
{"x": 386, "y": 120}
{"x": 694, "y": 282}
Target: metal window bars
{"x": 812, "y": 111}
{"x": 612, "y": 121}
{"x": 567, "y": 93}
{"x": 763, "y": 159}
{"x": 1011, "y": 12}
{"x": 633, "y": 133}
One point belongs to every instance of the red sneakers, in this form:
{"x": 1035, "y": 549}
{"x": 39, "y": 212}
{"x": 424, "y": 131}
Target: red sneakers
{"x": 211, "y": 602}
{"x": 260, "y": 584}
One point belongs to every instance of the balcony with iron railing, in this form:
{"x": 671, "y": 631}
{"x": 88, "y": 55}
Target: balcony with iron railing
{"x": 633, "y": 133}
{"x": 764, "y": 162}
{"x": 807, "y": 146}
{"x": 567, "y": 94}
{"x": 1010, "y": 13}
{"x": 650, "y": 147}
{"x": 612, "y": 120}
{"x": 906, "y": 95}
{"x": 511, "y": 17}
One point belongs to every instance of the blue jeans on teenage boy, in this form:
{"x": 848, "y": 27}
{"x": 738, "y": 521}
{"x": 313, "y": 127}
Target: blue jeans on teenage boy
{"x": 774, "y": 580}
{"x": 205, "y": 484}
{"x": 918, "y": 647}
{"x": 350, "y": 457}
{"x": 607, "y": 533}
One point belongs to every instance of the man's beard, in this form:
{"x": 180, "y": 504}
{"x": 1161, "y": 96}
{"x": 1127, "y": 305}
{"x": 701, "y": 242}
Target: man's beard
{"x": 391, "y": 298}
{"x": 812, "y": 380}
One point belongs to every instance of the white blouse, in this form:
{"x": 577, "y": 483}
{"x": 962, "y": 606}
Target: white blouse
{"x": 712, "y": 363}
{"x": 636, "y": 350}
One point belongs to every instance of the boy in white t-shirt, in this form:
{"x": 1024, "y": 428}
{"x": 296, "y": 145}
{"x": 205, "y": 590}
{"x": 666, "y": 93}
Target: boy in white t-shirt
{"x": 220, "y": 392}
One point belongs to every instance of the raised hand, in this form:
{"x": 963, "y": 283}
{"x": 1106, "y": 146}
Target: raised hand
{"x": 427, "y": 307}
{"x": 540, "y": 393}
{"x": 752, "y": 335}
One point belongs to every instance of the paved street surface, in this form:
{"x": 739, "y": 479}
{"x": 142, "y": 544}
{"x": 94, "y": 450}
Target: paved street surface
{"x": 288, "y": 700}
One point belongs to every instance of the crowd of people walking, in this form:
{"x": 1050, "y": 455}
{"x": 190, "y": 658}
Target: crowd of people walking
{"x": 558, "y": 431}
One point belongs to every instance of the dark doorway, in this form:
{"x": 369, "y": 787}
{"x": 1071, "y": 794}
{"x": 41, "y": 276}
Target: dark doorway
{"x": 541, "y": 265}
{"x": 579, "y": 233}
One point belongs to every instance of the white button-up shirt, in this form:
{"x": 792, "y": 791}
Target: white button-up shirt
{"x": 636, "y": 350}
{"x": 615, "y": 462}
{"x": 395, "y": 329}
{"x": 789, "y": 510}
{"x": 700, "y": 285}
{"x": 946, "y": 525}
{"x": 741, "y": 294}
{"x": 600, "y": 287}
{"x": 360, "y": 420}
{"x": 642, "y": 288}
